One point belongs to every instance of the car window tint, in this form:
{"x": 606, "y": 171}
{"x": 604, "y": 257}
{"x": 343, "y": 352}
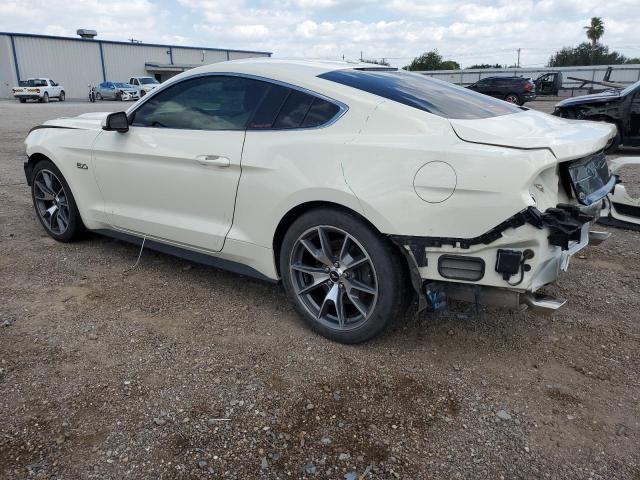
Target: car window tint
{"x": 320, "y": 113}
{"x": 204, "y": 103}
{"x": 271, "y": 105}
{"x": 424, "y": 93}
{"x": 294, "y": 110}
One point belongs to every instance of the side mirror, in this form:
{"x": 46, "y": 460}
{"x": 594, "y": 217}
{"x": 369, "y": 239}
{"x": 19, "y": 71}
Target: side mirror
{"x": 118, "y": 122}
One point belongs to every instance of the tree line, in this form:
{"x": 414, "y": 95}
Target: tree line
{"x": 586, "y": 53}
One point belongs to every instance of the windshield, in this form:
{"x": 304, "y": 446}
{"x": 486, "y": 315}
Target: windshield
{"x": 148, "y": 80}
{"x": 122, "y": 85}
{"x": 424, "y": 93}
{"x": 630, "y": 88}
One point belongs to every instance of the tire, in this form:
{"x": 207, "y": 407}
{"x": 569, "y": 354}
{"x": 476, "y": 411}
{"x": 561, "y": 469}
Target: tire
{"x": 45, "y": 97}
{"x": 98, "y": 96}
{"x": 61, "y": 227}
{"x": 142, "y": 93}
{"x": 513, "y": 98}
{"x": 61, "y": 97}
{"x": 614, "y": 143}
{"x": 119, "y": 97}
{"x": 23, "y": 100}
{"x": 371, "y": 271}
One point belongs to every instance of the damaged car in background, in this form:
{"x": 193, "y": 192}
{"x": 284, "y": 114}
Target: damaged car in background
{"x": 354, "y": 185}
{"x": 617, "y": 106}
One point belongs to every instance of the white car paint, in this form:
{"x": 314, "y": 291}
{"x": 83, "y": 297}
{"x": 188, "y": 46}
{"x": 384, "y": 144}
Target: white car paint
{"x": 154, "y": 183}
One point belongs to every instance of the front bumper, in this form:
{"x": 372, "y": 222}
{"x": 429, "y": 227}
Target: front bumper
{"x": 28, "y": 96}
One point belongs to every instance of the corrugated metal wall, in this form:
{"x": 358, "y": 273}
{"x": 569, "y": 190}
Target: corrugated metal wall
{"x": 72, "y": 64}
{"x": 620, "y": 73}
{"x": 124, "y": 61}
{"x": 76, "y": 63}
{"x": 193, "y": 56}
{"x": 7, "y": 69}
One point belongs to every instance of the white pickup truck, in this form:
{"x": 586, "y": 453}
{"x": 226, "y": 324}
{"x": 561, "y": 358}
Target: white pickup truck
{"x": 41, "y": 89}
{"x": 144, "y": 84}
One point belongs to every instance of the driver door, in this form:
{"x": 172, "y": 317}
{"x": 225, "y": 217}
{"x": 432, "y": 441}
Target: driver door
{"x": 173, "y": 176}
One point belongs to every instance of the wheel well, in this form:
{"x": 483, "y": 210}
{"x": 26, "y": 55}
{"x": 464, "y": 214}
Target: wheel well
{"x": 293, "y": 214}
{"x": 32, "y": 162}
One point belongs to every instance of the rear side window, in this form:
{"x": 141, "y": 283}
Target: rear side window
{"x": 294, "y": 110}
{"x": 424, "y": 93}
{"x": 284, "y": 108}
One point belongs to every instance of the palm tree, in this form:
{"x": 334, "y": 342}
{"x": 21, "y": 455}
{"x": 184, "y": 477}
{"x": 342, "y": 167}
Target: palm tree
{"x": 595, "y": 30}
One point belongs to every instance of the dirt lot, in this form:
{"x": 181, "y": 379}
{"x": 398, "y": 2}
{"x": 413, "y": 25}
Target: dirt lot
{"x": 175, "y": 370}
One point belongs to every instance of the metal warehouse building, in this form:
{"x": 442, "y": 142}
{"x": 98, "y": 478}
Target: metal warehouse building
{"x": 78, "y": 62}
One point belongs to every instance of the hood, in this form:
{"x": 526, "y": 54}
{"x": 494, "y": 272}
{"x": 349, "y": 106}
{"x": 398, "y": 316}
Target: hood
{"x": 593, "y": 98}
{"x": 88, "y": 121}
{"x": 567, "y": 139}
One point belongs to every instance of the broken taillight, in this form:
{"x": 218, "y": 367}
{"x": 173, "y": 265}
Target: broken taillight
{"x": 527, "y": 87}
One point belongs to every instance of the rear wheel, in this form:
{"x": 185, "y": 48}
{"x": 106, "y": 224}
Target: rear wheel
{"x": 346, "y": 280}
{"x": 513, "y": 98}
{"x": 54, "y": 203}
{"x": 45, "y": 98}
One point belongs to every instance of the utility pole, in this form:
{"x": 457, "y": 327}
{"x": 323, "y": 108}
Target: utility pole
{"x": 518, "y": 63}
{"x": 360, "y": 55}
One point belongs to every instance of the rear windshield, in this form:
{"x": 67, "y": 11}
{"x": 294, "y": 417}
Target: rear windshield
{"x": 424, "y": 93}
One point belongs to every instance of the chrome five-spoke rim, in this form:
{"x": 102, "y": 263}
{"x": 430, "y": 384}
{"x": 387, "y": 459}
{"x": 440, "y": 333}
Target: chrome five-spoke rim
{"x": 51, "y": 201}
{"x": 334, "y": 277}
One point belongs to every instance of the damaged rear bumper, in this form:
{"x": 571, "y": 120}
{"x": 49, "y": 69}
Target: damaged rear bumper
{"x": 505, "y": 266}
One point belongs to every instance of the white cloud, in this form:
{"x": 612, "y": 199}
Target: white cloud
{"x": 479, "y": 31}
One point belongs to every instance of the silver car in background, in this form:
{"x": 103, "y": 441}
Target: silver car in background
{"x": 116, "y": 91}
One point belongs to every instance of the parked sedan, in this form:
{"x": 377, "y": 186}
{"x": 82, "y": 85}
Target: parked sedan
{"x": 116, "y": 91}
{"x": 353, "y": 185}
{"x": 516, "y": 90}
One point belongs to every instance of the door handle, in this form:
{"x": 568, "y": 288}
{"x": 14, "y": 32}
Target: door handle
{"x": 213, "y": 161}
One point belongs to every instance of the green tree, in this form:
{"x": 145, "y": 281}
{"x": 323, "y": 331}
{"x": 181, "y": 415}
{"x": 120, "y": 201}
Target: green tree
{"x": 595, "y": 30}
{"x": 431, "y": 61}
{"x": 484, "y": 65}
{"x": 586, "y": 54}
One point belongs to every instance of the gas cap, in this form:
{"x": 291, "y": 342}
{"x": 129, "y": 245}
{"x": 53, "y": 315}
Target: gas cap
{"x": 435, "y": 181}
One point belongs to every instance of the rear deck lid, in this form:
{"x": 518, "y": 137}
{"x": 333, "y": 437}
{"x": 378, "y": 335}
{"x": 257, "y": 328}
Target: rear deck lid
{"x": 567, "y": 139}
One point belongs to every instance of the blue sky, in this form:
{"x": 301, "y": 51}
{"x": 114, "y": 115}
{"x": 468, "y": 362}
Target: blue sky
{"x": 466, "y": 31}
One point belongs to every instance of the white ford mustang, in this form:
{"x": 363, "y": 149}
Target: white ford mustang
{"x": 353, "y": 184}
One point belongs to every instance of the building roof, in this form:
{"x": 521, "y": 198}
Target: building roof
{"x": 163, "y": 45}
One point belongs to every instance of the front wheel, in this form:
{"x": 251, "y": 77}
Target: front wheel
{"x": 54, "y": 203}
{"x": 61, "y": 97}
{"x": 346, "y": 280}
{"x": 23, "y": 100}
{"x": 98, "y": 96}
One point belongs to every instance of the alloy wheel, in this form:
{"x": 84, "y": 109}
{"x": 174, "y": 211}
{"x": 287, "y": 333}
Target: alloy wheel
{"x": 512, "y": 99}
{"x": 334, "y": 277}
{"x": 51, "y": 201}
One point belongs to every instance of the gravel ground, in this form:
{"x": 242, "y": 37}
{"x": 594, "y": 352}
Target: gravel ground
{"x": 175, "y": 370}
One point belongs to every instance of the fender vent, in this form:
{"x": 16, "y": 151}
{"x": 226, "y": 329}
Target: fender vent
{"x": 460, "y": 267}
